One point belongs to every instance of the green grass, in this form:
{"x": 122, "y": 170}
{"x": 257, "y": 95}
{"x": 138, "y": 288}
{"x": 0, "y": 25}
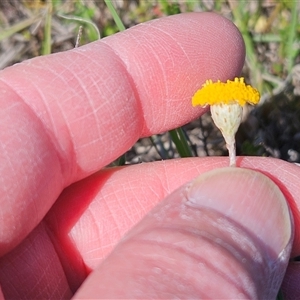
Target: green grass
{"x": 46, "y": 43}
{"x": 115, "y": 15}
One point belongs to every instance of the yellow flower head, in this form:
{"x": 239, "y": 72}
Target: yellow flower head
{"x": 226, "y": 102}
{"x": 226, "y": 93}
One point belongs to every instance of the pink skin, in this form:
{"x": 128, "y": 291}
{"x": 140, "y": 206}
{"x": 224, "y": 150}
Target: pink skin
{"x": 70, "y": 114}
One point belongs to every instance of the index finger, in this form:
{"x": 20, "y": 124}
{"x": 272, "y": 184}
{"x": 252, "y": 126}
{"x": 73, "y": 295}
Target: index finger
{"x": 67, "y": 115}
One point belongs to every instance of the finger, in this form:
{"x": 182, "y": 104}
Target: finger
{"x": 33, "y": 270}
{"x": 208, "y": 240}
{"x": 290, "y": 285}
{"x": 69, "y": 114}
{"x": 109, "y": 203}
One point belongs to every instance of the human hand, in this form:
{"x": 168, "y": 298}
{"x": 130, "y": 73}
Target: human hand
{"x": 68, "y": 115}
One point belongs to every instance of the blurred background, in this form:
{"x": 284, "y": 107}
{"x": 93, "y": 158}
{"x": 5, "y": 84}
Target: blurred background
{"x": 271, "y": 30}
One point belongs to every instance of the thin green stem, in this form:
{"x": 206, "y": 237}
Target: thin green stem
{"x": 292, "y": 36}
{"x": 180, "y": 141}
{"x": 115, "y": 15}
{"x": 46, "y": 45}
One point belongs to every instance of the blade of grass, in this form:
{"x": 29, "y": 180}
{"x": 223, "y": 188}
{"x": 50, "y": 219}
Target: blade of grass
{"x": 121, "y": 160}
{"x": 46, "y": 44}
{"x": 292, "y": 36}
{"x": 115, "y": 15}
{"x": 180, "y": 141}
{"x": 267, "y": 38}
{"x": 7, "y": 32}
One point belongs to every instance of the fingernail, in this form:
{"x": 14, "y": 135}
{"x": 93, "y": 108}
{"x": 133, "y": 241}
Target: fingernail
{"x": 248, "y": 198}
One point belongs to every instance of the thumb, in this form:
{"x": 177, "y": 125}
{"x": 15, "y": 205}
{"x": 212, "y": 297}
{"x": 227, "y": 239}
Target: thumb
{"x": 228, "y": 234}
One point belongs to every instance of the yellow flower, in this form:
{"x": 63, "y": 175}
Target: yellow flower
{"x": 226, "y": 93}
{"x": 227, "y": 101}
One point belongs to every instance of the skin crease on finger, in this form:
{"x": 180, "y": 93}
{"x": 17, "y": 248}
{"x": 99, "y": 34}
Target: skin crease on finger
{"x": 61, "y": 111}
